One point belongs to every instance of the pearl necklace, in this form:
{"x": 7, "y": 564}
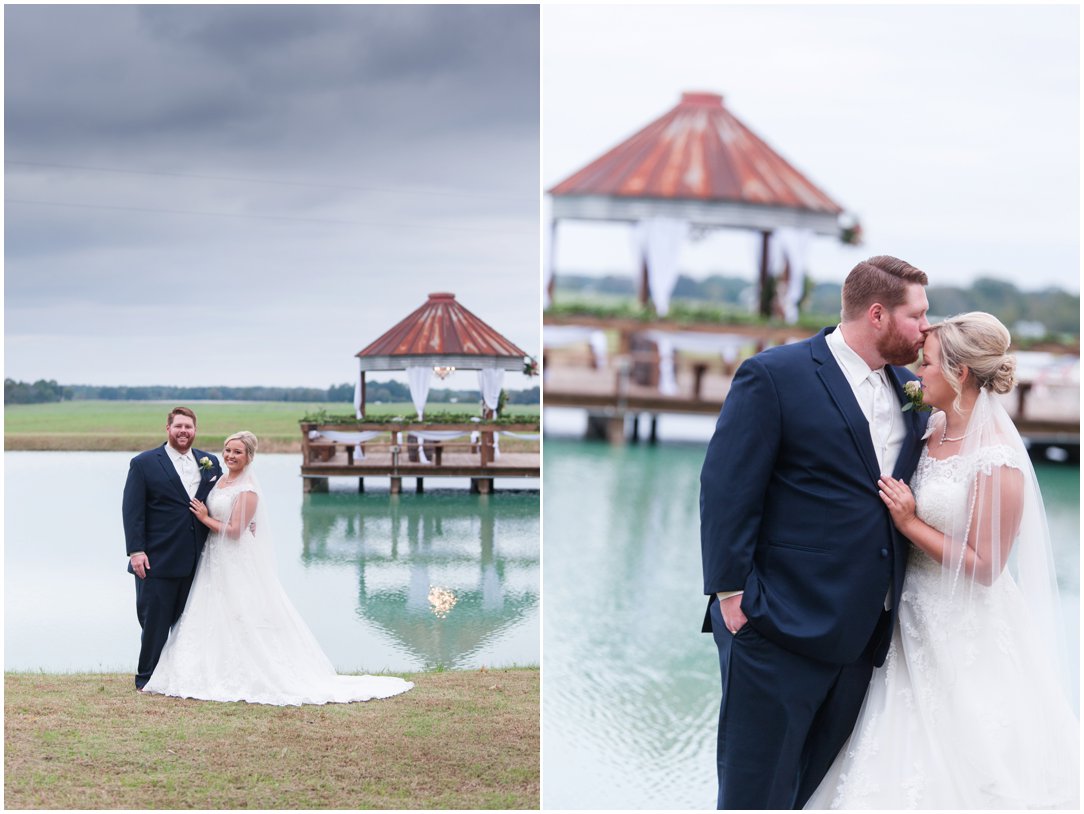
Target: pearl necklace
{"x": 944, "y": 435}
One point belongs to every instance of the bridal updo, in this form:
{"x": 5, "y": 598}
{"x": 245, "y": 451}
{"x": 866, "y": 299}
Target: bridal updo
{"x": 979, "y": 342}
{"x": 246, "y": 438}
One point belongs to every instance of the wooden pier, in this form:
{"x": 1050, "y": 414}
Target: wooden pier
{"x": 395, "y": 453}
{"x": 629, "y": 382}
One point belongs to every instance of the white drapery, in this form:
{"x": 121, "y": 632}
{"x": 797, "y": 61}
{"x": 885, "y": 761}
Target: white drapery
{"x": 788, "y": 245}
{"x": 667, "y": 374}
{"x": 728, "y": 346}
{"x": 356, "y": 438}
{"x": 560, "y": 336}
{"x": 420, "y": 377}
{"x": 489, "y": 382}
{"x": 659, "y": 242}
{"x": 549, "y": 241}
{"x": 357, "y": 393}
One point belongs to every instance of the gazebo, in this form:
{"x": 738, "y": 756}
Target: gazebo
{"x": 436, "y": 339}
{"x": 696, "y": 168}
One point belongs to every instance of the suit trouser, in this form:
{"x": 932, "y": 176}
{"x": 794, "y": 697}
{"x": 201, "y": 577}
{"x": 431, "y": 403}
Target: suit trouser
{"x": 782, "y": 720}
{"x": 159, "y": 604}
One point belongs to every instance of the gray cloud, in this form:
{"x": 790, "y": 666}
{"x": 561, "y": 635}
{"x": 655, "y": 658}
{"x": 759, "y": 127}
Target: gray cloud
{"x": 300, "y": 175}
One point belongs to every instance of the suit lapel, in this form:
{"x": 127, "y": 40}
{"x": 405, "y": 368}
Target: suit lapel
{"x": 171, "y": 472}
{"x": 843, "y": 397}
{"x": 913, "y": 419}
{"x": 205, "y": 475}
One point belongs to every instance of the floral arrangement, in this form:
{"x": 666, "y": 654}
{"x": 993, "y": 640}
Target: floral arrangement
{"x": 530, "y": 366}
{"x": 851, "y": 235}
{"x": 205, "y": 463}
{"x": 913, "y": 391}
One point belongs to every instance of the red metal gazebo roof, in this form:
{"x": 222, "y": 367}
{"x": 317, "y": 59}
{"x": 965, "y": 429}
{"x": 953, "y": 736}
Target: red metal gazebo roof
{"x": 695, "y": 156}
{"x": 441, "y": 331}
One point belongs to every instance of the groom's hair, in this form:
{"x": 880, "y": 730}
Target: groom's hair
{"x": 180, "y": 411}
{"x": 882, "y": 279}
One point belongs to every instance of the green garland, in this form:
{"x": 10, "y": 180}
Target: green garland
{"x": 683, "y": 314}
{"x": 323, "y": 417}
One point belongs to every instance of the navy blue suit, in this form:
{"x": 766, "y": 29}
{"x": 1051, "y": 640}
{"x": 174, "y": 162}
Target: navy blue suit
{"x": 159, "y": 522}
{"x": 790, "y": 514}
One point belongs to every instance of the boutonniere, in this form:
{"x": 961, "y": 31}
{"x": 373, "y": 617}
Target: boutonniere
{"x": 205, "y": 463}
{"x": 913, "y": 391}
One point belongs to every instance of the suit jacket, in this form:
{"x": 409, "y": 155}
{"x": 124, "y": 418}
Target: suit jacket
{"x": 789, "y": 506}
{"x": 157, "y": 517}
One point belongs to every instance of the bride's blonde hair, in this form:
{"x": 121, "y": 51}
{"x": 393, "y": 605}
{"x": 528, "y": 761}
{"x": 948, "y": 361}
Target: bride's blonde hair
{"x": 248, "y": 439}
{"x": 979, "y": 342}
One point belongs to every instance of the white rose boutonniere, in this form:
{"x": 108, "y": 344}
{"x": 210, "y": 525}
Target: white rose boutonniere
{"x": 205, "y": 463}
{"x": 913, "y": 390}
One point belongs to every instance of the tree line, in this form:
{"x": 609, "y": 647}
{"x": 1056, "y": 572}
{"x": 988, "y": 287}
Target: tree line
{"x": 1056, "y": 309}
{"x": 43, "y": 392}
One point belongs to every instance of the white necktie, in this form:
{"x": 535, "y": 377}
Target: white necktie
{"x": 190, "y": 483}
{"x": 880, "y": 417}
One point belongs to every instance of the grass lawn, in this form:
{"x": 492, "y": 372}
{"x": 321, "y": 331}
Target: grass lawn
{"x": 137, "y": 425}
{"x": 462, "y": 739}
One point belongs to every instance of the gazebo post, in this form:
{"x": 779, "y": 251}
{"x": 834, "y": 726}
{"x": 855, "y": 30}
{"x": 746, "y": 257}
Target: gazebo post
{"x": 645, "y": 284}
{"x": 764, "y": 304}
{"x": 362, "y": 408}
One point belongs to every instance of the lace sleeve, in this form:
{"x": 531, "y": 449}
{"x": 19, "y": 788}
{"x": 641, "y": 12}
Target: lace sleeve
{"x": 998, "y": 455}
{"x": 242, "y": 512}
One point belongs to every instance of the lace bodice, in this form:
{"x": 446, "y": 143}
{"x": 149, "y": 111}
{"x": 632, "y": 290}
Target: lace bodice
{"x": 940, "y": 485}
{"x": 221, "y": 498}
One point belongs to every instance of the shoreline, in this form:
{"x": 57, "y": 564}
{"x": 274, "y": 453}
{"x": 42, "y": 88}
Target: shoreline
{"x": 81, "y": 442}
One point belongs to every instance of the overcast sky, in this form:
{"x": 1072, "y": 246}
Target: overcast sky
{"x": 249, "y": 195}
{"x": 952, "y": 132}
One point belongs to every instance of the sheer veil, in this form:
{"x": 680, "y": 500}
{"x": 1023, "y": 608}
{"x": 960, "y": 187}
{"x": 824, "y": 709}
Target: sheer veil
{"x": 248, "y": 521}
{"x": 1004, "y": 532}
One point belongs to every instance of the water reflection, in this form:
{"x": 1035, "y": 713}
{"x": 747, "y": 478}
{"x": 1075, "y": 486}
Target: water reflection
{"x": 482, "y": 549}
{"x": 358, "y": 568}
{"x": 631, "y": 685}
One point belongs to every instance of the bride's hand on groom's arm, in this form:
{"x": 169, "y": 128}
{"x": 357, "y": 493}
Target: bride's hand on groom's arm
{"x": 900, "y": 502}
{"x": 199, "y": 509}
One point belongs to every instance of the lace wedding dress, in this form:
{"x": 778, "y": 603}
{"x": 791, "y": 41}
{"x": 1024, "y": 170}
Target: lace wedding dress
{"x": 240, "y": 638}
{"x": 964, "y": 713}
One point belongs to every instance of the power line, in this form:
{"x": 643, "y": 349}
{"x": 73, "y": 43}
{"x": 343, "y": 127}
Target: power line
{"x": 258, "y": 216}
{"x": 272, "y": 181}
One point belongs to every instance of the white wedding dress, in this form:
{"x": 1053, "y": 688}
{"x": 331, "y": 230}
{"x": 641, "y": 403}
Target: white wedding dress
{"x": 240, "y": 638}
{"x": 963, "y": 714}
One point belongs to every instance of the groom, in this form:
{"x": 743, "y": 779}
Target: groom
{"x": 163, "y": 537}
{"x": 801, "y": 561}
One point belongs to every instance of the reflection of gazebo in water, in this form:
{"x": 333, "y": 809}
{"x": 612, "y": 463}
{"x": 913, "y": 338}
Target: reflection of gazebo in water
{"x": 398, "y": 554}
{"x": 436, "y": 339}
{"x": 694, "y": 170}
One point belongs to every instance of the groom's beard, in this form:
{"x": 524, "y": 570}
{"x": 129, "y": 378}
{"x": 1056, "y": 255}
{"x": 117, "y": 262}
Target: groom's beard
{"x": 895, "y": 348}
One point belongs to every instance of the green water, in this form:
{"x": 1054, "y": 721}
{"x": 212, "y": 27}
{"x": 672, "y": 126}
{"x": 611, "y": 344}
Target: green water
{"x": 631, "y": 686}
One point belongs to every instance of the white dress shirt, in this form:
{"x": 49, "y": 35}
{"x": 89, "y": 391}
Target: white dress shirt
{"x": 876, "y": 398}
{"x": 186, "y": 467}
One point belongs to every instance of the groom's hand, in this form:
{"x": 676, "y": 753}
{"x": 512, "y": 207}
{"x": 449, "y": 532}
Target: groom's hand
{"x": 732, "y": 613}
{"x": 141, "y": 565}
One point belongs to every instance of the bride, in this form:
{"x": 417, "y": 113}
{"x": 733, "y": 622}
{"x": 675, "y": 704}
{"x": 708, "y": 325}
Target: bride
{"x": 970, "y": 709}
{"x": 240, "y": 638}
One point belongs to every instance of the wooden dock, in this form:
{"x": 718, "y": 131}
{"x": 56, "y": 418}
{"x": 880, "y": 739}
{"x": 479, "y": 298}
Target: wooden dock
{"x": 627, "y": 384}
{"x": 395, "y": 453}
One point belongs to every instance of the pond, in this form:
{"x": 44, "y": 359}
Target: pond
{"x": 358, "y": 567}
{"x": 631, "y": 686}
